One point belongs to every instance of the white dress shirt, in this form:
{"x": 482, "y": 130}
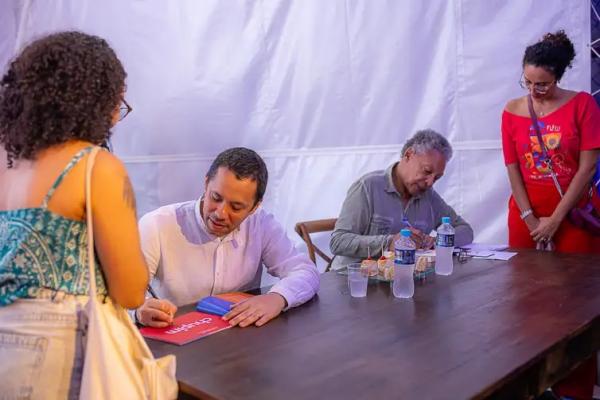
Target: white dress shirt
{"x": 186, "y": 263}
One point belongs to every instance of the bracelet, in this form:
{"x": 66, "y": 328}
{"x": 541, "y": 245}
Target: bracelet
{"x": 526, "y": 213}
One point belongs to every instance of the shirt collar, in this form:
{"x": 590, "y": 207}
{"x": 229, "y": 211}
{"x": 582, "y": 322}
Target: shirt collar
{"x": 390, "y": 187}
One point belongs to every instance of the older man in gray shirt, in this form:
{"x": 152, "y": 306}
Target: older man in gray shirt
{"x": 382, "y": 203}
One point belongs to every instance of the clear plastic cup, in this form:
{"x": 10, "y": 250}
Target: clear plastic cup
{"x": 403, "y": 285}
{"x": 358, "y": 278}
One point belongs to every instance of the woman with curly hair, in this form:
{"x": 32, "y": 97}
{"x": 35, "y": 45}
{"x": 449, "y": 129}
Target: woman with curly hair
{"x": 569, "y": 124}
{"x": 569, "y": 127}
{"x": 58, "y": 99}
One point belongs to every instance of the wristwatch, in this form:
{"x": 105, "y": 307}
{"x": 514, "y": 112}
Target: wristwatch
{"x": 526, "y": 213}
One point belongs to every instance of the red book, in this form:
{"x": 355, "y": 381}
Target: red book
{"x": 187, "y": 328}
{"x": 234, "y": 297}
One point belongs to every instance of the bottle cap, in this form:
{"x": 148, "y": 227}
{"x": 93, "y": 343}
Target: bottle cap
{"x": 405, "y": 232}
{"x": 445, "y": 220}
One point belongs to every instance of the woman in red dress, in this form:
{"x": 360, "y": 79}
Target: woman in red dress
{"x": 569, "y": 123}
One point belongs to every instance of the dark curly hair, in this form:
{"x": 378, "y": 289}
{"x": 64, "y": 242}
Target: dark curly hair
{"x": 61, "y": 87}
{"x": 244, "y": 163}
{"x": 554, "y": 53}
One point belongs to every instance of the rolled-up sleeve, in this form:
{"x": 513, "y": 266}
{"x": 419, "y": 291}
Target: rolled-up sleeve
{"x": 349, "y": 238}
{"x": 299, "y": 276}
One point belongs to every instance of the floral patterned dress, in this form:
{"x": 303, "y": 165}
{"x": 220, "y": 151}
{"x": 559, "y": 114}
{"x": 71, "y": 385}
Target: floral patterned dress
{"x": 43, "y": 250}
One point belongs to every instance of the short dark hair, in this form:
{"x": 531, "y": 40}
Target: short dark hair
{"x": 554, "y": 53}
{"x": 244, "y": 163}
{"x": 61, "y": 87}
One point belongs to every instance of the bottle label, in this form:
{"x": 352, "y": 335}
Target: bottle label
{"x": 405, "y": 257}
{"x": 443, "y": 240}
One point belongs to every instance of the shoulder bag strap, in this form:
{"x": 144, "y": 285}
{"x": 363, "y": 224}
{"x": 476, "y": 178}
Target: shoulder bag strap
{"x": 90, "y": 227}
{"x": 547, "y": 159}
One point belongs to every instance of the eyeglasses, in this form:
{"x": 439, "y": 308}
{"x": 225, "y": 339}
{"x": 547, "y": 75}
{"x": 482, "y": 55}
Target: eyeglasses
{"x": 107, "y": 145}
{"x": 463, "y": 255}
{"x": 541, "y": 87}
{"x": 124, "y": 110}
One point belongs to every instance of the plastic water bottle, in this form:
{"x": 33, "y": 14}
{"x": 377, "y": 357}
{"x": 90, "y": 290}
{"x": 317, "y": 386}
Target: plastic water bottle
{"x": 444, "y": 246}
{"x": 403, "y": 285}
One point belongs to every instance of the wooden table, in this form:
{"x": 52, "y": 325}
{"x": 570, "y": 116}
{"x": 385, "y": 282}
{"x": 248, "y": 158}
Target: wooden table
{"x": 491, "y": 329}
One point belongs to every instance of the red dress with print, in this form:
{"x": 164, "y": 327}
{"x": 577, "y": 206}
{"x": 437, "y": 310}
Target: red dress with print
{"x": 573, "y": 127}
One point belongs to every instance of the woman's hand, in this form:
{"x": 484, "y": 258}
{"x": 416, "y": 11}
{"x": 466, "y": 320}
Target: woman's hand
{"x": 546, "y": 229}
{"x": 532, "y": 222}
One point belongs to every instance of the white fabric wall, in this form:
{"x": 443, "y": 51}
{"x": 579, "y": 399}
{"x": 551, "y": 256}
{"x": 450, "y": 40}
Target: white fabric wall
{"x": 325, "y": 90}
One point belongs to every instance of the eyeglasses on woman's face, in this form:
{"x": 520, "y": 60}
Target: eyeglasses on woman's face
{"x": 538, "y": 87}
{"x": 124, "y": 109}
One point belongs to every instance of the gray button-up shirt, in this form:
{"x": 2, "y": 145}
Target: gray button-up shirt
{"x": 374, "y": 211}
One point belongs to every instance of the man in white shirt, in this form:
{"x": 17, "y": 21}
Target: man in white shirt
{"x": 219, "y": 243}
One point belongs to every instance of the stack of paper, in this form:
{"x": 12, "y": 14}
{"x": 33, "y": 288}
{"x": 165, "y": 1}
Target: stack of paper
{"x": 489, "y": 251}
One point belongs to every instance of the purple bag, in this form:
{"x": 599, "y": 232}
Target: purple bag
{"x": 587, "y": 216}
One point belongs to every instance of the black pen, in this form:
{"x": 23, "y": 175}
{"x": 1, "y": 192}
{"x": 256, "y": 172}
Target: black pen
{"x": 152, "y": 292}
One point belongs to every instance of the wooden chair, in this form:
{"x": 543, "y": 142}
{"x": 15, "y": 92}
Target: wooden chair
{"x": 304, "y": 229}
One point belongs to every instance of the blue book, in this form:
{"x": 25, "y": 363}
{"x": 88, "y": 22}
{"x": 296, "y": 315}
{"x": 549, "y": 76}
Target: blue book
{"x": 206, "y": 308}
{"x": 214, "y": 305}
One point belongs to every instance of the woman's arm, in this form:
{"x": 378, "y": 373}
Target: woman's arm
{"x": 520, "y": 194}
{"x": 587, "y": 165}
{"x": 511, "y": 159}
{"x": 116, "y": 232}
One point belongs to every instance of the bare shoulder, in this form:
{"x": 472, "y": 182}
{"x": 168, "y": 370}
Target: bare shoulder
{"x": 516, "y": 106}
{"x": 107, "y": 165}
{"x": 570, "y": 93}
{"x": 110, "y": 174}
{"x": 565, "y": 95}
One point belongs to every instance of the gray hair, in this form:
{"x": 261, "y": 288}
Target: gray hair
{"x": 426, "y": 140}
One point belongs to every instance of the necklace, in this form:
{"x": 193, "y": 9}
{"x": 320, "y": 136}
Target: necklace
{"x": 545, "y": 106}
{"x": 539, "y": 111}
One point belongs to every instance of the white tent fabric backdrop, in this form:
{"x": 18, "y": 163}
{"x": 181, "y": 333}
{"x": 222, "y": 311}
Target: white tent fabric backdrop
{"x": 325, "y": 90}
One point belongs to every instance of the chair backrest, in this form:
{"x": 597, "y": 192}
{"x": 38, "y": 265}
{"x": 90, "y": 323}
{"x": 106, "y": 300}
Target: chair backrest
{"x": 304, "y": 229}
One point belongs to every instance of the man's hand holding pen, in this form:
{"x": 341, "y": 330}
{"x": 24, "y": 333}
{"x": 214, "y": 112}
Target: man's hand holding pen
{"x": 157, "y": 313}
{"x": 422, "y": 240}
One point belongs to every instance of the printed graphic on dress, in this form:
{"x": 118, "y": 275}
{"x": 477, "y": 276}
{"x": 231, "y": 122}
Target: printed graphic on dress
{"x": 535, "y": 161}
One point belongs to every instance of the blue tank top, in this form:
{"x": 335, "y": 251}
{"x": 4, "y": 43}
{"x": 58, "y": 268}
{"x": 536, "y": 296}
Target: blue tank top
{"x": 43, "y": 250}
